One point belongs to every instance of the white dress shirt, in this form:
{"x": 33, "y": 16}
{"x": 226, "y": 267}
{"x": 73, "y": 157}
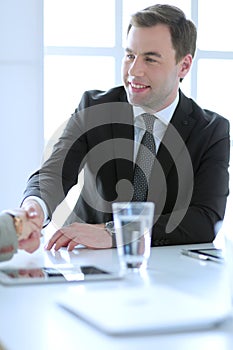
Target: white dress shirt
{"x": 163, "y": 118}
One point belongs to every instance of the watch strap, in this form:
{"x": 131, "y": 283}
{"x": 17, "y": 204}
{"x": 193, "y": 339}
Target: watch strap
{"x": 109, "y": 227}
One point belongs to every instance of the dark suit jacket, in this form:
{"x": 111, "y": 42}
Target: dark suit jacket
{"x": 189, "y": 182}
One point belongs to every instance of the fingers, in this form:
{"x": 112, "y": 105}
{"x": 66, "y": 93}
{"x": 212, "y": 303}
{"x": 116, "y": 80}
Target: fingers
{"x": 34, "y": 216}
{"x": 34, "y": 211}
{"x": 31, "y": 219}
{"x": 63, "y": 238}
{"x": 28, "y": 227}
{"x": 57, "y": 241}
{"x": 90, "y": 236}
{"x": 72, "y": 244}
{"x": 32, "y": 243}
{"x": 52, "y": 240}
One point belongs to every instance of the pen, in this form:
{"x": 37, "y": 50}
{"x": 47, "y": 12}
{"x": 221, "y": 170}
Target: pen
{"x": 195, "y": 255}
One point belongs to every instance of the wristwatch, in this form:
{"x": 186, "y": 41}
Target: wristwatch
{"x": 109, "y": 227}
{"x": 18, "y": 223}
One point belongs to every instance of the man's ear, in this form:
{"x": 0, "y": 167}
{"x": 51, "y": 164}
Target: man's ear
{"x": 185, "y": 65}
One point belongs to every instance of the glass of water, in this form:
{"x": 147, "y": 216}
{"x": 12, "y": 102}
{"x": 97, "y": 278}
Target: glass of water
{"x": 133, "y": 223}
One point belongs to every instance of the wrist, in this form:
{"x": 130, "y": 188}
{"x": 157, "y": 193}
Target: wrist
{"x": 33, "y": 207}
{"x": 17, "y": 222}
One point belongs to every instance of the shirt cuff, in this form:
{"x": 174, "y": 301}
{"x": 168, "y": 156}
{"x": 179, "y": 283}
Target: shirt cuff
{"x": 44, "y": 209}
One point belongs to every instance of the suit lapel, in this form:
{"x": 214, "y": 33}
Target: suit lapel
{"x": 172, "y": 145}
{"x": 176, "y": 135}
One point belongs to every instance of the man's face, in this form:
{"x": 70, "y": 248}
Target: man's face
{"x": 150, "y": 73}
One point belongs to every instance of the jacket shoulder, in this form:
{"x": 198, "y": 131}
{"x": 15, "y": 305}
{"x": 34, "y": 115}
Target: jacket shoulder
{"x": 201, "y": 115}
{"x": 214, "y": 120}
{"x": 94, "y": 97}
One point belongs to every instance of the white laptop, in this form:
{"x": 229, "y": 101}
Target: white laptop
{"x": 133, "y": 310}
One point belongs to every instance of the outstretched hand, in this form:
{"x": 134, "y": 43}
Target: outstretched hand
{"x": 31, "y": 243}
{"x": 33, "y": 218}
{"x": 34, "y": 214}
{"x": 29, "y": 238}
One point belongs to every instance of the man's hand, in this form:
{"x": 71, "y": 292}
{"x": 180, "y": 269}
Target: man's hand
{"x": 33, "y": 218}
{"x": 34, "y": 214}
{"x": 28, "y": 222}
{"x": 31, "y": 243}
{"x": 91, "y": 236}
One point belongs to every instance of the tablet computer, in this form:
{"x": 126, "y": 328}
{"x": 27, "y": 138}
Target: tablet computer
{"x": 156, "y": 309}
{"x": 16, "y": 276}
{"x": 212, "y": 254}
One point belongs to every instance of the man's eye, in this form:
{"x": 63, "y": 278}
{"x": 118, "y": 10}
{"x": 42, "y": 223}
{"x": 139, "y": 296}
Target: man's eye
{"x": 148, "y": 59}
{"x": 130, "y": 56}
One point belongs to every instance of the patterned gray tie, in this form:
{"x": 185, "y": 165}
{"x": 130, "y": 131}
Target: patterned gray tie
{"x": 144, "y": 161}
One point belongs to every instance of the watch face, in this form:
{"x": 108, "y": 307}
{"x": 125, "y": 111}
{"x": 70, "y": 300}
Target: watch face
{"x": 110, "y": 224}
{"x": 110, "y": 227}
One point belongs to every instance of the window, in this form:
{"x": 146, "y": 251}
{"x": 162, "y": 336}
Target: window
{"x": 83, "y": 50}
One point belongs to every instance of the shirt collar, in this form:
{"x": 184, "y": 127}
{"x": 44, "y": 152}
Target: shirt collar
{"x": 164, "y": 115}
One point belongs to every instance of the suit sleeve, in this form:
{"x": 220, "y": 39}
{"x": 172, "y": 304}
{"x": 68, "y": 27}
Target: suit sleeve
{"x": 59, "y": 173}
{"x": 8, "y": 237}
{"x": 210, "y": 159}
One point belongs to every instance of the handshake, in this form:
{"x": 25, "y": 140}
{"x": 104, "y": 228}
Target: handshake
{"x": 20, "y": 228}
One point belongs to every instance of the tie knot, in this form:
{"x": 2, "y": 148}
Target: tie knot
{"x": 149, "y": 120}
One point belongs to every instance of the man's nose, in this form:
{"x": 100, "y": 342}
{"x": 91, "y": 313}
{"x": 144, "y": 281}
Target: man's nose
{"x": 136, "y": 68}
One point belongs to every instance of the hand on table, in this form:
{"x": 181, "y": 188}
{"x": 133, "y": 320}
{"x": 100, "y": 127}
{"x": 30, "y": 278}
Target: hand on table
{"x": 91, "y": 236}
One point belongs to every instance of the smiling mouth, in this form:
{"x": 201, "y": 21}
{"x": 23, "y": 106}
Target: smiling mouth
{"x": 138, "y": 86}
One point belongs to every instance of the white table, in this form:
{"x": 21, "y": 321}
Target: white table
{"x": 31, "y": 319}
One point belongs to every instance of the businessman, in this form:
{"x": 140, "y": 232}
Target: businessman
{"x": 188, "y": 176}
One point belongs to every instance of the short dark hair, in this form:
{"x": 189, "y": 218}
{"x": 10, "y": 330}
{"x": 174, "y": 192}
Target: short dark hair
{"x": 183, "y": 31}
